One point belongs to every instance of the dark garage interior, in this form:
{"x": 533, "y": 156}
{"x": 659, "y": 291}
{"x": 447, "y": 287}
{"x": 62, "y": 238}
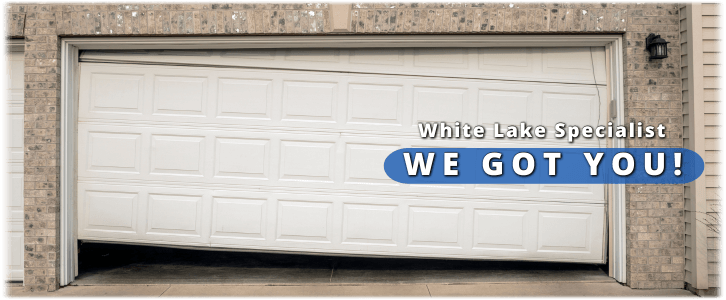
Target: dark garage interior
{"x": 103, "y": 264}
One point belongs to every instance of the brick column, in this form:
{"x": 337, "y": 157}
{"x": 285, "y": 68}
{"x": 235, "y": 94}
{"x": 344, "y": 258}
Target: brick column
{"x": 42, "y": 153}
{"x": 655, "y": 223}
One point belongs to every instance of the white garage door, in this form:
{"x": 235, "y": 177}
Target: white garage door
{"x": 284, "y": 149}
{"x": 13, "y": 177}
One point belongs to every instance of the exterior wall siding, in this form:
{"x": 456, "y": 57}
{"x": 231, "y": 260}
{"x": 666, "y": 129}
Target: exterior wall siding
{"x": 655, "y": 216}
{"x": 700, "y": 35}
{"x": 711, "y": 66}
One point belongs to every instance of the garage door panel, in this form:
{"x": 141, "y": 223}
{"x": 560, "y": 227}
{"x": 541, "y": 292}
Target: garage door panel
{"x": 284, "y": 157}
{"x": 346, "y": 103}
{"x": 341, "y": 223}
{"x": 241, "y": 217}
{"x": 380, "y": 56}
{"x": 570, "y": 63}
{"x": 244, "y": 98}
{"x": 313, "y": 55}
{"x": 507, "y": 60}
{"x": 370, "y": 224}
{"x": 109, "y": 211}
{"x": 174, "y": 214}
{"x": 570, "y": 108}
{"x": 117, "y": 93}
{"x": 433, "y": 104}
{"x": 506, "y": 107}
{"x": 436, "y": 227}
{"x": 179, "y": 157}
{"x": 564, "y": 232}
{"x": 359, "y": 159}
{"x": 542, "y": 64}
{"x": 304, "y": 221}
{"x": 114, "y": 152}
{"x": 310, "y": 101}
{"x": 375, "y": 104}
{"x": 501, "y": 229}
{"x": 456, "y": 58}
{"x": 180, "y": 95}
{"x": 242, "y": 158}
{"x": 310, "y": 161}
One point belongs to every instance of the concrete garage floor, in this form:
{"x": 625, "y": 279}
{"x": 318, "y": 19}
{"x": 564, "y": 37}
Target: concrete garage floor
{"x": 117, "y": 270}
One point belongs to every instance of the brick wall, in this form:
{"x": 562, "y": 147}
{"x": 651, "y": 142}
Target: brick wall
{"x": 655, "y": 230}
{"x": 655, "y": 222}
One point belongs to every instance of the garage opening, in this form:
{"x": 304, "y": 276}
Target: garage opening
{"x": 282, "y": 150}
{"x": 114, "y": 264}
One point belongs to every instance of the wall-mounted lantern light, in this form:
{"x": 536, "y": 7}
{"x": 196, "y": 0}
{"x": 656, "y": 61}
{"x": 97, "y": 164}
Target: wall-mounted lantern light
{"x": 657, "y": 47}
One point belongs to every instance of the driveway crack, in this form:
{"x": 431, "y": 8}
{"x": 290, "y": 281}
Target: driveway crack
{"x": 162, "y": 294}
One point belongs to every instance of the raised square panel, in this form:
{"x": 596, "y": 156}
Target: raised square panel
{"x": 304, "y": 221}
{"x": 364, "y": 163}
{"x": 244, "y": 158}
{"x": 381, "y": 56}
{"x": 16, "y": 200}
{"x": 438, "y": 105}
{"x": 309, "y": 101}
{"x": 16, "y": 96}
{"x": 435, "y": 227}
{"x": 564, "y": 232}
{"x": 249, "y": 54}
{"x": 318, "y": 55}
{"x": 571, "y": 109}
{"x": 307, "y": 161}
{"x": 441, "y": 57}
{"x": 177, "y": 155}
{"x": 16, "y": 254}
{"x": 370, "y": 224}
{"x": 17, "y": 137}
{"x": 114, "y": 152}
{"x": 506, "y": 59}
{"x": 375, "y": 104}
{"x": 499, "y": 229}
{"x": 502, "y": 187}
{"x": 180, "y": 95}
{"x": 244, "y": 98}
{"x": 16, "y": 131}
{"x": 503, "y": 107}
{"x": 564, "y": 60}
{"x": 117, "y": 93}
{"x": 570, "y": 188}
{"x": 174, "y": 214}
{"x": 111, "y": 211}
{"x": 15, "y": 65}
{"x": 239, "y": 218}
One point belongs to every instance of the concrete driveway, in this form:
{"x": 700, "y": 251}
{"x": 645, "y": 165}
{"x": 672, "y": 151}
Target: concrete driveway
{"x": 124, "y": 270}
{"x": 405, "y": 290}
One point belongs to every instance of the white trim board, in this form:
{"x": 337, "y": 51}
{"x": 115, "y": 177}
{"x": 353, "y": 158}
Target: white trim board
{"x": 69, "y": 98}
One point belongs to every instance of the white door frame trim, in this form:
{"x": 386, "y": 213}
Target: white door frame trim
{"x": 69, "y": 99}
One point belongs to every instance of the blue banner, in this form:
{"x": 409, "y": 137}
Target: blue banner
{"x": 544, "y": 165}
